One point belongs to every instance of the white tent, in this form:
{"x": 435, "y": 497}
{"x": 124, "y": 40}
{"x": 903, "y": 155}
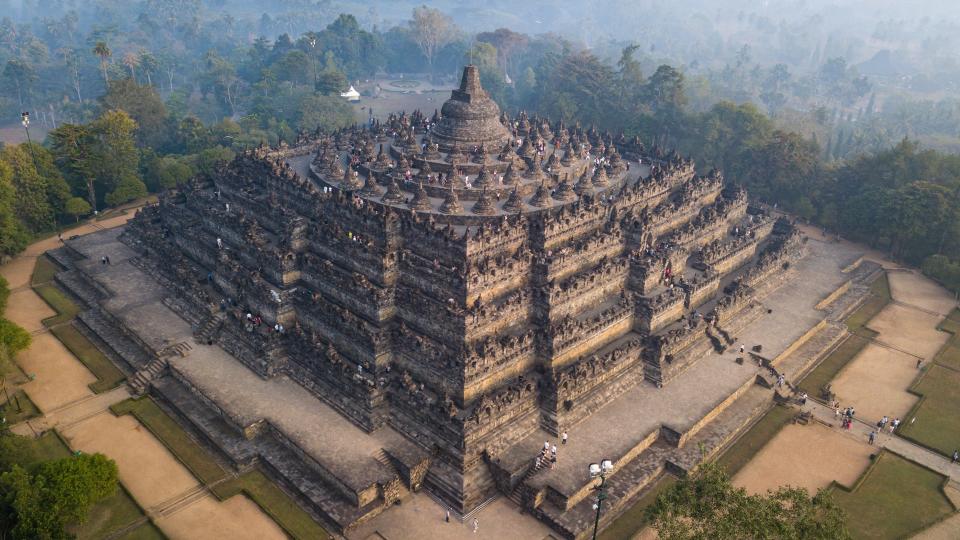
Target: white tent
{"x": 351, "y": 94}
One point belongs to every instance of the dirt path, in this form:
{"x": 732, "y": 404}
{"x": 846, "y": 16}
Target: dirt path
{"x": 809, "y": 456}
{"x": 167, "y": 491}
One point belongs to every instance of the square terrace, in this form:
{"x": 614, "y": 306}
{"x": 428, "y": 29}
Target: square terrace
{"x": 625, "y": 422}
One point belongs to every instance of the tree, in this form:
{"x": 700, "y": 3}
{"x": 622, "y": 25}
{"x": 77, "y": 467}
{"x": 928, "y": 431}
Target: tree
{"x": 706, "y": 505}
{"x": 328, "y": 113}
{"x": 39, "y": 189}
{"x": 76, "y": 207}
{"x": 431, "y": 30}
{"x": 132, "y": 61}
{"x": 166, "y": 172}
{"x": 507, "y": 44}
{"x": 115, "y": 159}
{"x": 56, "y": 493}
{"x": 103, "y": 52}
{"x": 13, "y": 339}
{"x": 13, "y": 236}
{"x": 73, "y": 151}
{"x": 143, "y": 104}
{"x": 148, "y": 64}
{"x": 18, "y": 76}
{"x": 330, "y": 82}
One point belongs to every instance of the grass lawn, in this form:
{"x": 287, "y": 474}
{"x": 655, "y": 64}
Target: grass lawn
{"x": 937, "y": 424}
{"x": 745, "y": 447}
{"x": 828, "y": 368}
{"x": 108, "y": 376}
{"x": 879, "y": 298}
{"x": 66, "y": 309}
{"x": 43, "y": 271}
{"x": 633, "y": 519}
{"x": 109, "y": 515}
{"x": 50, "y": 446}
{"x": 949, "y": 354}
{"x": 265, "y": 493}
{"x": 147, "y": 531}
{"x": 164, "y": 428}
{"x": 8, "y": 410}
{"x": 895, "y": 498}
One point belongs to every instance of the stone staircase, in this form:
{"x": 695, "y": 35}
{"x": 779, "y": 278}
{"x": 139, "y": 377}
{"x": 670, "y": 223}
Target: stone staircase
{"x": 209, "y": 329}
{"x": 181, "y": 349}
{"x": 141, "y": 379}
{"x": 517, "y": 494}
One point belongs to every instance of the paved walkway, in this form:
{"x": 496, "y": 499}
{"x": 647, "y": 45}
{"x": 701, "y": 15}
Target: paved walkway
{"x": 861, "y": 430}
{"x": 168, "y": 492}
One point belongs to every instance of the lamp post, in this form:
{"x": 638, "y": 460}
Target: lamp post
{"x": 602, "y": 469}
{"x": 25, "y": 120}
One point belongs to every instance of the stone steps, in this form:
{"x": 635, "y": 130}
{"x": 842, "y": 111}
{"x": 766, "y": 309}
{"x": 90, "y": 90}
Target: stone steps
{"x": 141, "y": 380}
{"x": 121, "y": 345}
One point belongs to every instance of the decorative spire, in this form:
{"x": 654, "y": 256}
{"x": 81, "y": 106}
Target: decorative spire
{"x": 451, "y": 205}
{"x": 425, "y": 172}
{"x": 600, "y": 179}
{"x": 484, "y": 205}
{"x": 514, "y": 203}
{"x": 484, "y": 180}
{"x": 421, "y": 202}
{"x": 564, "y": 191}
{"x": 394, "y": 195}
{"x": 584, "y": 185}
{"x": 351, "y": 180}
{"x": 541, "y": 198}
{"x": 511, "y": 178}
{"x": 370, "y": 188}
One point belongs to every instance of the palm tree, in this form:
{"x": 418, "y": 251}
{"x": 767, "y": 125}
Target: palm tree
{"x": 103, "y": 51}
{"x": 131, "y": 60}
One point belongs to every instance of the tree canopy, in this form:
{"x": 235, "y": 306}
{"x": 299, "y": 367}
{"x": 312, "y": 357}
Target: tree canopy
{"x": 706, "y": 505}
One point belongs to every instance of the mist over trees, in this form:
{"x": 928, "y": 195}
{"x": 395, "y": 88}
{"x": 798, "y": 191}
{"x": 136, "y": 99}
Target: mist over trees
{"x": 837, "y": 112}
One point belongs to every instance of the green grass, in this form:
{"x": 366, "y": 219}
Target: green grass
{"x": 43, "y": 271}
{"x": 937, "y": 424}
{"x": 65, "y": 307}
{"x": 147, "y": 531}
{"x": 633, "y": 520}
{"x": 107, "y": 374}
{"x": 829, "y": 367}
{"x": 274, "y": 502}
{"x": 893, "y": 499}
{"x": 745, "y": 447}
{"x": 50, "y": 446}
{"x": 879, "y": 298}
{"x": 949, "y": 354}
{"x": 109, "y": 515}
{"x": 164, "y": 428}
{"x": 9, "y": 411}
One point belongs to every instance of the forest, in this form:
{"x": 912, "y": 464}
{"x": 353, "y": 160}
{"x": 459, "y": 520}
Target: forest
{"x": 129, "y": 98}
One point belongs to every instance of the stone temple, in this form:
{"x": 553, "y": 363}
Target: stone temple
{"x": 420, "y": 303}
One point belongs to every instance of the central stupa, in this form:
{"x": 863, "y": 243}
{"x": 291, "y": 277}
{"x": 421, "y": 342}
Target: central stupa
{"x": 470, "y": 119}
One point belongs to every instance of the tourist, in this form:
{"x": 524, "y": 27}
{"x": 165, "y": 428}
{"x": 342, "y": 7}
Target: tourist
{"x": 956, "y": 456}
{"x": 873, "y": 436}
{"x": 447, "y": 516}
{"x": 553, "y": 452}
{"x": 546, "y": 446}
{"x": 742, "y": 348}
{"x": 894, "y": 424}
{"x": 476, "y": 525}
{"x": 883, "y": 422}
{"x": 563, "y": 438}
{"x": 919, "y": 362}
{"x": 803, "y": 399}
{"x": 103, "y": 260}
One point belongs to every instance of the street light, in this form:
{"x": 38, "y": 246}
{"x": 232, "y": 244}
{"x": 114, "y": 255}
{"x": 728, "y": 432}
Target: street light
{"x": 602, "y": 469}
{"x": 25, "y": 120}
